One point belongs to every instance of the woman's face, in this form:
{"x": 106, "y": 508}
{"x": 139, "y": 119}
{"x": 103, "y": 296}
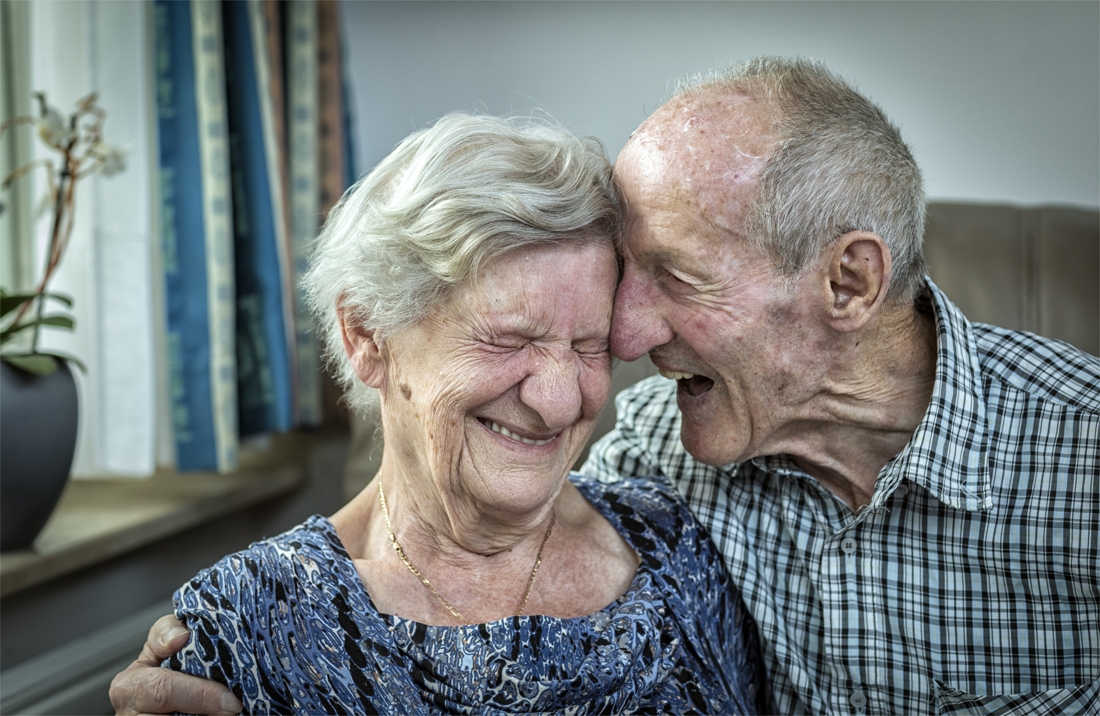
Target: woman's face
{"x": 495, "y": 393}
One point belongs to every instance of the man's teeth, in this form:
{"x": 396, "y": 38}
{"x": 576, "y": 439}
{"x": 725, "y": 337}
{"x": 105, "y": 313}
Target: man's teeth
{"x": 498, "y": 428}
{"x": 675, "y": 375}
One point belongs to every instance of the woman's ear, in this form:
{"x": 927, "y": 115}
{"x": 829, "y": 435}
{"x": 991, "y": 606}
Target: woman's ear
{"x": 361, "y": 348}
{"x": 859, "y": 272}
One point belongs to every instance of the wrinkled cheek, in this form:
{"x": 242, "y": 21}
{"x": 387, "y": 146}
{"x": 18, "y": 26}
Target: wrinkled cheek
{"x": 446, "y": 446}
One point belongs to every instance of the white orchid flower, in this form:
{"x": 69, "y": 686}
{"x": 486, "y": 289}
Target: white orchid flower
{"x": 110, "y": 159}
{"x": 53, "y": 128}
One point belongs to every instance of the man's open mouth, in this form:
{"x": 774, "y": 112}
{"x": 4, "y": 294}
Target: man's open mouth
{"x": 694, "y": 385}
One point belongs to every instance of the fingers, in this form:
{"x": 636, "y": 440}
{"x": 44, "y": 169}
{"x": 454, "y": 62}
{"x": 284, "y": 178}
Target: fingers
{"x": 166, "y": 637}
{"x": 145, "y": 688}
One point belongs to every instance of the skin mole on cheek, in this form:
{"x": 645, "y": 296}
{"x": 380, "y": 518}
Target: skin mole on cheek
{"x": 406, "y": 391}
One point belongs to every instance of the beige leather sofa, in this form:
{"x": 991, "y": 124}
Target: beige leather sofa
{"x": 1033, "y": 269}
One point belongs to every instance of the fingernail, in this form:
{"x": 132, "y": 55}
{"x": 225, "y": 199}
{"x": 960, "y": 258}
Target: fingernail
{"x": 173, "y": 633}
{"x": 231, "y": 704}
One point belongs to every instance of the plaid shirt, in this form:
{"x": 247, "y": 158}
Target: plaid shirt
{"x": 971, "y": 584}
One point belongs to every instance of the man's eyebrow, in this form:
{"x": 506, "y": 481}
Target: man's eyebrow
{"x": 661, "y": 255}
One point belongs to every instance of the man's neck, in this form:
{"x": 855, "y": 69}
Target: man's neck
{"x": 870, "y": 403}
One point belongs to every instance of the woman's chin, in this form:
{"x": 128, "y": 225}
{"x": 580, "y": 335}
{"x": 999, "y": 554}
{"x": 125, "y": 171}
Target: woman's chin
{"x": 516, "y": 490}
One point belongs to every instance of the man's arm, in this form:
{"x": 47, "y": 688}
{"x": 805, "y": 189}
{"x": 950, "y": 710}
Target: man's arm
{"x": 145, "y": 688}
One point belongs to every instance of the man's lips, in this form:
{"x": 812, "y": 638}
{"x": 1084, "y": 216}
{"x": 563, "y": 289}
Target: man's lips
{"x": 498, "y": 428}
{"x": 695, "y": 385}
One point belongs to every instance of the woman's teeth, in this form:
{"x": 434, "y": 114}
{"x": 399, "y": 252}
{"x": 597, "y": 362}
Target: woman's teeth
{"x": 675, "y": 375}
{"x": 498, "y": 428}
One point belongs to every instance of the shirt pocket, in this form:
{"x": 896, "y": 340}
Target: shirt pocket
{"x": 1083, "y": 699}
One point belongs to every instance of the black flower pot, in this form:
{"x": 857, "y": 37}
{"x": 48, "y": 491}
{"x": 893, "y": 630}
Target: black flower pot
{"x": 38, "y": 419}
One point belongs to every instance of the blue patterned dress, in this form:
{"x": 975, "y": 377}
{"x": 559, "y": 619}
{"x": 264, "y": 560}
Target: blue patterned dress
{"x": 288, "y": 625}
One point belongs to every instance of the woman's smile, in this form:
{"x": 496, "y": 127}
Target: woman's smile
{"x": 515, "y": 435}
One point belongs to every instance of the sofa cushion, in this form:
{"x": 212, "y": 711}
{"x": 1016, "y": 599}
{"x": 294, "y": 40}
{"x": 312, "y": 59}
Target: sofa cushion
{"x": 1034, "y": 269}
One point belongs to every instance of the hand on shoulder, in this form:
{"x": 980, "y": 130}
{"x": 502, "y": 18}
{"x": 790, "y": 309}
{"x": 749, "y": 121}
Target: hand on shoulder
{"x": 145, "y": 688}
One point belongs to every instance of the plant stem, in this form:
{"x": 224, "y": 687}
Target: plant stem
{"x": 62, "y": 204}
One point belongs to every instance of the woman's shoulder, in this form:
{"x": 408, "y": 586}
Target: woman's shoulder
{"x": 305, "y": 565}
{"x": 649, "y": 513}
{"x": 650, "y": 498}
{"x": 266, "y": 620}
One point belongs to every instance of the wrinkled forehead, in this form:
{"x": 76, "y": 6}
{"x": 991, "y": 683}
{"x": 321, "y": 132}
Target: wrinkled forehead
{"x": 708, "y": 148}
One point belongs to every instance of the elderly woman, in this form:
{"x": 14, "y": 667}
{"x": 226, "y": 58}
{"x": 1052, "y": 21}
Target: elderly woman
{"x": 466, "y": 286}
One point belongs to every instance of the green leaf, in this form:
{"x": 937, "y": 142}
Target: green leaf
{"x": 34, "y": 363}
{"x": 67, "y": 358}
{"x": 42, "y": 362}
{"x": 67, "y": 300}
{"x": 57, "y": 321}
{"x": 10, "y": 302}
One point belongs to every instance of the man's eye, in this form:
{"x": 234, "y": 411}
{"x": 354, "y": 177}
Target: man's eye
{"x": 672, "y": 281}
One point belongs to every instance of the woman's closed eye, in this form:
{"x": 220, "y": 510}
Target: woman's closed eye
{"x": 591, "y": 348}
{"x": 505, "y": 343}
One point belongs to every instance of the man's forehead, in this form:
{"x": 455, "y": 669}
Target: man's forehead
{"x": 706, "y": 150}
{"x": 709, "y": 117}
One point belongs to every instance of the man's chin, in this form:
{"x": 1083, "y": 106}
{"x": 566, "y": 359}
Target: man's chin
{"x": 708, "y": 440}
{"x": 707, "y": 449}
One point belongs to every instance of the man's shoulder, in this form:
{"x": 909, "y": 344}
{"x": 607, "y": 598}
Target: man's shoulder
{"x": 1044, "y": 368}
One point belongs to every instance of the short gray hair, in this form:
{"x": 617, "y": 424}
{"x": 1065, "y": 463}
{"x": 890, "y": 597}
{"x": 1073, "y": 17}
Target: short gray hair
{"x": 448, "y": 199}
{"x": 839, "y": 165}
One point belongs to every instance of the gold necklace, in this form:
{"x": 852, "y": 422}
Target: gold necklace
{"x": 424, "y": 580}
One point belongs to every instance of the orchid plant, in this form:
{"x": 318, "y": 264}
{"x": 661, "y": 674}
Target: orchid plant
{"x": 77, "y": 141}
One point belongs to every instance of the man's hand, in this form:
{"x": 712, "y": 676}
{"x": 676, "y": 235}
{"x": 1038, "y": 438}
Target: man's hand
{"x": 145, "y": 688}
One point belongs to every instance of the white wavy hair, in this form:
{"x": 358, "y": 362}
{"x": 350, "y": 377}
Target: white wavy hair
{"x": 840, "y": 165}
{"x": 447, "y": 200}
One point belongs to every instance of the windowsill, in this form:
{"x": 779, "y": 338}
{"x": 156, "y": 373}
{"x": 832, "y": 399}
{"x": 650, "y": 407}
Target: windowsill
{"x": 99, "y": 519}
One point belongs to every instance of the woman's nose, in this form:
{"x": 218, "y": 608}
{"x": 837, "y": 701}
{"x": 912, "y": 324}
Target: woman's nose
{"x": 552, "y": 388}
{"x": 636, "y": 325}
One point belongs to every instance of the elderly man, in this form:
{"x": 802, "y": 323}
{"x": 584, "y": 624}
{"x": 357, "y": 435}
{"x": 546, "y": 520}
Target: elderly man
{"x": 909, "y": 502}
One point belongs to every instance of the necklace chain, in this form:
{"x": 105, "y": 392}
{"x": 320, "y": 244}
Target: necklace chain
{"x": 424, "y": 580}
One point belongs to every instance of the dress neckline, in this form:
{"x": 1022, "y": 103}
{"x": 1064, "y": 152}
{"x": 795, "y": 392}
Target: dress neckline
{"x": 584, "y": 485}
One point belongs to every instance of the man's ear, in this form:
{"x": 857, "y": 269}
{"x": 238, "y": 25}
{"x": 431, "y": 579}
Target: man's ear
{"x": 361, "y": 348}
{"x": 858, "y": 271}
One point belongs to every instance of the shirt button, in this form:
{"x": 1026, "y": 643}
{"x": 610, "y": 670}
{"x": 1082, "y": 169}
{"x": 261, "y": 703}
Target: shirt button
{"x": 858, "y": 699}
{"x": 902, "y": 490}
{"x": 848, "y": 545}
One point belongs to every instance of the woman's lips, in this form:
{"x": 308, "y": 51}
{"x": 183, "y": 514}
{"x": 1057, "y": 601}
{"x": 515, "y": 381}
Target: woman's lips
{"x": 498, "y": 428}
{"x": 695, "y": 385}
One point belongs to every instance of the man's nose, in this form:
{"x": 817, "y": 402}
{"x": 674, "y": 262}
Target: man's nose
{"x": 552, "y": 388}
{"x": 636, "y": 325}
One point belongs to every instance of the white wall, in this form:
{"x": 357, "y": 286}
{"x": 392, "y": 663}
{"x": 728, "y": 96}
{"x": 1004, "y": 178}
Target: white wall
{"x": 999, "y": 100}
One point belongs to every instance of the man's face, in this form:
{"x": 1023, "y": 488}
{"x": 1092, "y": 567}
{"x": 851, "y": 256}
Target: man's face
{"x": 706, "y": 305}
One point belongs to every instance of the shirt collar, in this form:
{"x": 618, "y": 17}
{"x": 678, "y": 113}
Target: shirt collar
{"x": 948, "y": 454}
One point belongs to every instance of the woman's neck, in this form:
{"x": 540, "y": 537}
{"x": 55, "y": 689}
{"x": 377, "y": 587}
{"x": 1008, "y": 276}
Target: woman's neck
{"x": 583, "y": 549}
{"x": 442, "y": 518}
